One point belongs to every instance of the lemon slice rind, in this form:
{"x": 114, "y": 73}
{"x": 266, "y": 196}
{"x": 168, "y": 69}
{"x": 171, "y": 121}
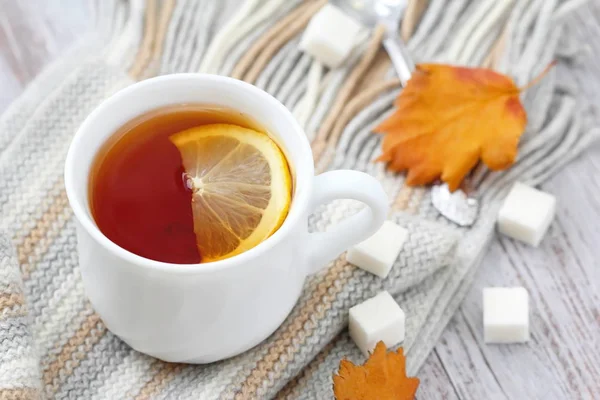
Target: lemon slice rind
{"x": 212, "y": 182}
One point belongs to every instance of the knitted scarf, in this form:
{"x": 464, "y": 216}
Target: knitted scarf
{"x": 53, "y": 344}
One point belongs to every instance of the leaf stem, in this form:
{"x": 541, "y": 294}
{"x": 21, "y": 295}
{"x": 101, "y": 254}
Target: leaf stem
{"x": 538, "y": 78}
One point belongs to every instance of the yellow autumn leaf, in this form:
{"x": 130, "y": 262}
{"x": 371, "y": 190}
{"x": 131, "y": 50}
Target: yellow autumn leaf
{"x": 382, "y": 377}
{"x": 449, "y": 118}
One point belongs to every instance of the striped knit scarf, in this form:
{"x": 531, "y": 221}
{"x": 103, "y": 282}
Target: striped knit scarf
{"x": 53, "y": 345}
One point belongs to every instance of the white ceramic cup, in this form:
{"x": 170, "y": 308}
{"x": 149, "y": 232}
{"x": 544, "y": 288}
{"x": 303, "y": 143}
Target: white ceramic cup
{"x": 206, "y": 312}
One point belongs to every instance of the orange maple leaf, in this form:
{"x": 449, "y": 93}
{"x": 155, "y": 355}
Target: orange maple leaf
{"x": 448, "y": 118}
{"x": 382, "y": 377}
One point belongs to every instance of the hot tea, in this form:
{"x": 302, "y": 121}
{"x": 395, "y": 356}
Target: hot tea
{"x": 189, "y": 184}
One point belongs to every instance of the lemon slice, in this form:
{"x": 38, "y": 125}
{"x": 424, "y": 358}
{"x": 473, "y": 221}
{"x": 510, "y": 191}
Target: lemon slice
{"x": 241, "y": 187}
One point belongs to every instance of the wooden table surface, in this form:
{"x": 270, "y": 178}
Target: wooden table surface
{"x": 562, "y": 360}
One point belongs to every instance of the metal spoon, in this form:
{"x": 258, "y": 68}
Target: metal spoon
{"x": 462, "y": 206}
{"x": 389, "y": 14}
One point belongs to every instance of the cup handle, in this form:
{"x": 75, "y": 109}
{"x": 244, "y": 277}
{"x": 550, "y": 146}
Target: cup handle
{"x": 323, "y": 247}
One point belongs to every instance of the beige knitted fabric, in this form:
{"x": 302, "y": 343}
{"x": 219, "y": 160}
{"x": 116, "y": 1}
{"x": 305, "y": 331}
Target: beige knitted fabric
{"x": 53, "y": 345}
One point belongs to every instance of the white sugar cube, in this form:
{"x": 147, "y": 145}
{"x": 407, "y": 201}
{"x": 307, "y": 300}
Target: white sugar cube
{"x": 526, "y": 214}
{"x": 505, "y": 315}
{"x": 330, "y": 36}
{"x": 379, "y": 318}
{"x": 378, "y": 253}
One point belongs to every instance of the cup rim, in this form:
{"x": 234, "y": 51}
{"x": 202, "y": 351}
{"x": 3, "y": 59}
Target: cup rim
{"x": 300, "y": 200}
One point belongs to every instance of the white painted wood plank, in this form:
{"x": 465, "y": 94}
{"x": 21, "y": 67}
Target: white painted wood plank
{"x": 436, "y": 384}
{"x": 465, "y": 362}
{"x": 33, "y": 33}
{"x": 10, "y": 87}
{"x": 519, "y": 369}
{"x": 563, "y": 358}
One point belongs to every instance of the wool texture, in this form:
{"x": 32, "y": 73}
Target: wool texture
{"x": 53, "y": 343}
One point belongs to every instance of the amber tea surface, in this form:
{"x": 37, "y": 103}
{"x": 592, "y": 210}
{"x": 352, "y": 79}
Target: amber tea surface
{"x": 188, "y": 184}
